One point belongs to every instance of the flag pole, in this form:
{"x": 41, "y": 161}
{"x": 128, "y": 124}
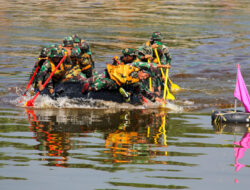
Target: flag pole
{"x": 235, "y": 104}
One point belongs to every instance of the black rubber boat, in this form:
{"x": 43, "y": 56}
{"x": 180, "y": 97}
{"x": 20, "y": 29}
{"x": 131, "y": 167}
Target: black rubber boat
{"x": 73, "y": 90}
{"x": 230, "y": 116}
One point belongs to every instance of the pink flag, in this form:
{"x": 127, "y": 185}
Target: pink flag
{"x": 240, "y": 91}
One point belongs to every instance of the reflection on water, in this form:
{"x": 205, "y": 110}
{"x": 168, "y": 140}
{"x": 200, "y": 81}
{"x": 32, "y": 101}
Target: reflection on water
{"x": 163, "y": 150}
{"x": 239, "y": 152}
{"x": 127, "y": 135}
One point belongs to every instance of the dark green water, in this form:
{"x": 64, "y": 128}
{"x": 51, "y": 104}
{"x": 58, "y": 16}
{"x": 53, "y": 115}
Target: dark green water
{"x": 67, "y": 145}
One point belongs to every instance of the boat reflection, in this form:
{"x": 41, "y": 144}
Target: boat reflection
{"x": 230, "y": 127}
{"x": 240, "y": 146}
{"x": 239, "y": 151}
{"x": 129, "y": 136}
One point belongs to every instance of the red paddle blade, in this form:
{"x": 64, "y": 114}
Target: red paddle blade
{"x": 29, "y": 103}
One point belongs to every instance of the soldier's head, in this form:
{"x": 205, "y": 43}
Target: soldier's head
{"x": 84, "y": 46}
{"x": 156, "y": 36}
{"x": 68, "y": 42}
{"x": 55, "y": 55}
{"x": 44, "y": 52}
{"x": 76, "y": 40}
{"x": 75, "y": 54}
{"x": 129, "y": 55}
{"x": 142, "y": 51}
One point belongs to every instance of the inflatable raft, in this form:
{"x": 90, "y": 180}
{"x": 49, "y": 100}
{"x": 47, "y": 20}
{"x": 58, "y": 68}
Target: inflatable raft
{"x": 230, "y": 116}
{"x": 73, "y": 90}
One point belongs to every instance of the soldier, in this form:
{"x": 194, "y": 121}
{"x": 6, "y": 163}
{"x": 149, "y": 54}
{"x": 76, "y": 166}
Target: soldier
{"x": 125, "y": 78}
{"x": 156, "y": 41}
{"x": 129, "y": 56}
{"x": 87, "y": 63}
{"x": 54, "y": 57}
{"x": 76, "y": 40}
{"x": 41, "y": 59}
{"x": 144, "y": 53}
{"x": 68, "y": 45}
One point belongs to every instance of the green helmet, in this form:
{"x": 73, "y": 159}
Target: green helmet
{"x": 68, "y": 41}
{"x": 75, "y": 52}
{"x": 55, "y": 52}
{"x": 85, "y": 48}
{"x": 128, "y": 51}
{"x": 156, "y": 36}
{"x": 45, "y": 51}
{"x": 76, "y": 38}
{"x": 144, "y": 50}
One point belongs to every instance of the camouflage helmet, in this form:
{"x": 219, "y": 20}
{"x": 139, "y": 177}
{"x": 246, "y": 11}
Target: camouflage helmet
{"x": 55, "y": 52}
{"x": 44, "y": 52}
{"x": 156, "y": 36}
{"x": 68, "y": 41}
{"x": 144, "y": 50}
{"x": 128, "y": 51}
{"x": 76, "y": 38}
{"x": 75, "y": 52}
{"x": 85, "y": 47}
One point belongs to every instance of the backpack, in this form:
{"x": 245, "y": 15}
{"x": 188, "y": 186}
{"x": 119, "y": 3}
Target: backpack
{"x": 122, "y": 74}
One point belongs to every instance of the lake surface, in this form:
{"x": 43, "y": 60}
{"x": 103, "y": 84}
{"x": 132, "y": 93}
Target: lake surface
{"x": 101, "y": 145}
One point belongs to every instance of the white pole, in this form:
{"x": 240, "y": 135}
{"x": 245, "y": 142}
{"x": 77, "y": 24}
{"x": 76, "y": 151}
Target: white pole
{"x": 235, "y": 104}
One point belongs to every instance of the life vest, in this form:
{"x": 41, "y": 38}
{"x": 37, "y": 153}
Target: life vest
{"x": 121, "y": 74}
{"x": 85, "y": 62}
{"x": 59, "y": 70}
{"x": 58, "y": 75}
{"x": 74, "y": 72}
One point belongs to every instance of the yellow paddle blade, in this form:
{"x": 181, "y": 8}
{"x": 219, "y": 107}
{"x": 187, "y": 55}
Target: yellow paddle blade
{"x": 166, "y": 93}
{"x": 170, "y": 96}
{"x": 174, "y": 87}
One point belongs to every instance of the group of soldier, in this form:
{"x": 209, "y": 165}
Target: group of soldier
{"x": 138, "y": 71}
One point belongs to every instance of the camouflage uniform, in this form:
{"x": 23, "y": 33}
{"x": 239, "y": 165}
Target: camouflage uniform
{"x": 156, "y": 79}
{"x": 41, "y": 59}
{"x": 82, "y": 70}
{"x": 143, "y": 86}
{"x": 163, "y": 50}
{"x": 49, "y": 65}
{"x": 102, "y": 81}
{"x": 67, "y": 47}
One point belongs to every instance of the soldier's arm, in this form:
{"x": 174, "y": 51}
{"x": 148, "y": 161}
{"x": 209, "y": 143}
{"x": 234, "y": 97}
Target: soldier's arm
{"x": 43, "y": 75}
{"x": 167, "y": 55}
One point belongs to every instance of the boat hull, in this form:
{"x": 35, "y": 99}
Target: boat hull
{"x": 230, "y": 116}
{"x": 73, "y": 90}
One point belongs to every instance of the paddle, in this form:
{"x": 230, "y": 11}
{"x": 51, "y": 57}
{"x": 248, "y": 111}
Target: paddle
{"x": 174, "y": 87}
{"x": 31, "y": 80}
{"x": 150, "y": 81}
{"x": 166, "y": 90}
{"x": 169, "y": 95}
{"x": 31, "y": 101}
